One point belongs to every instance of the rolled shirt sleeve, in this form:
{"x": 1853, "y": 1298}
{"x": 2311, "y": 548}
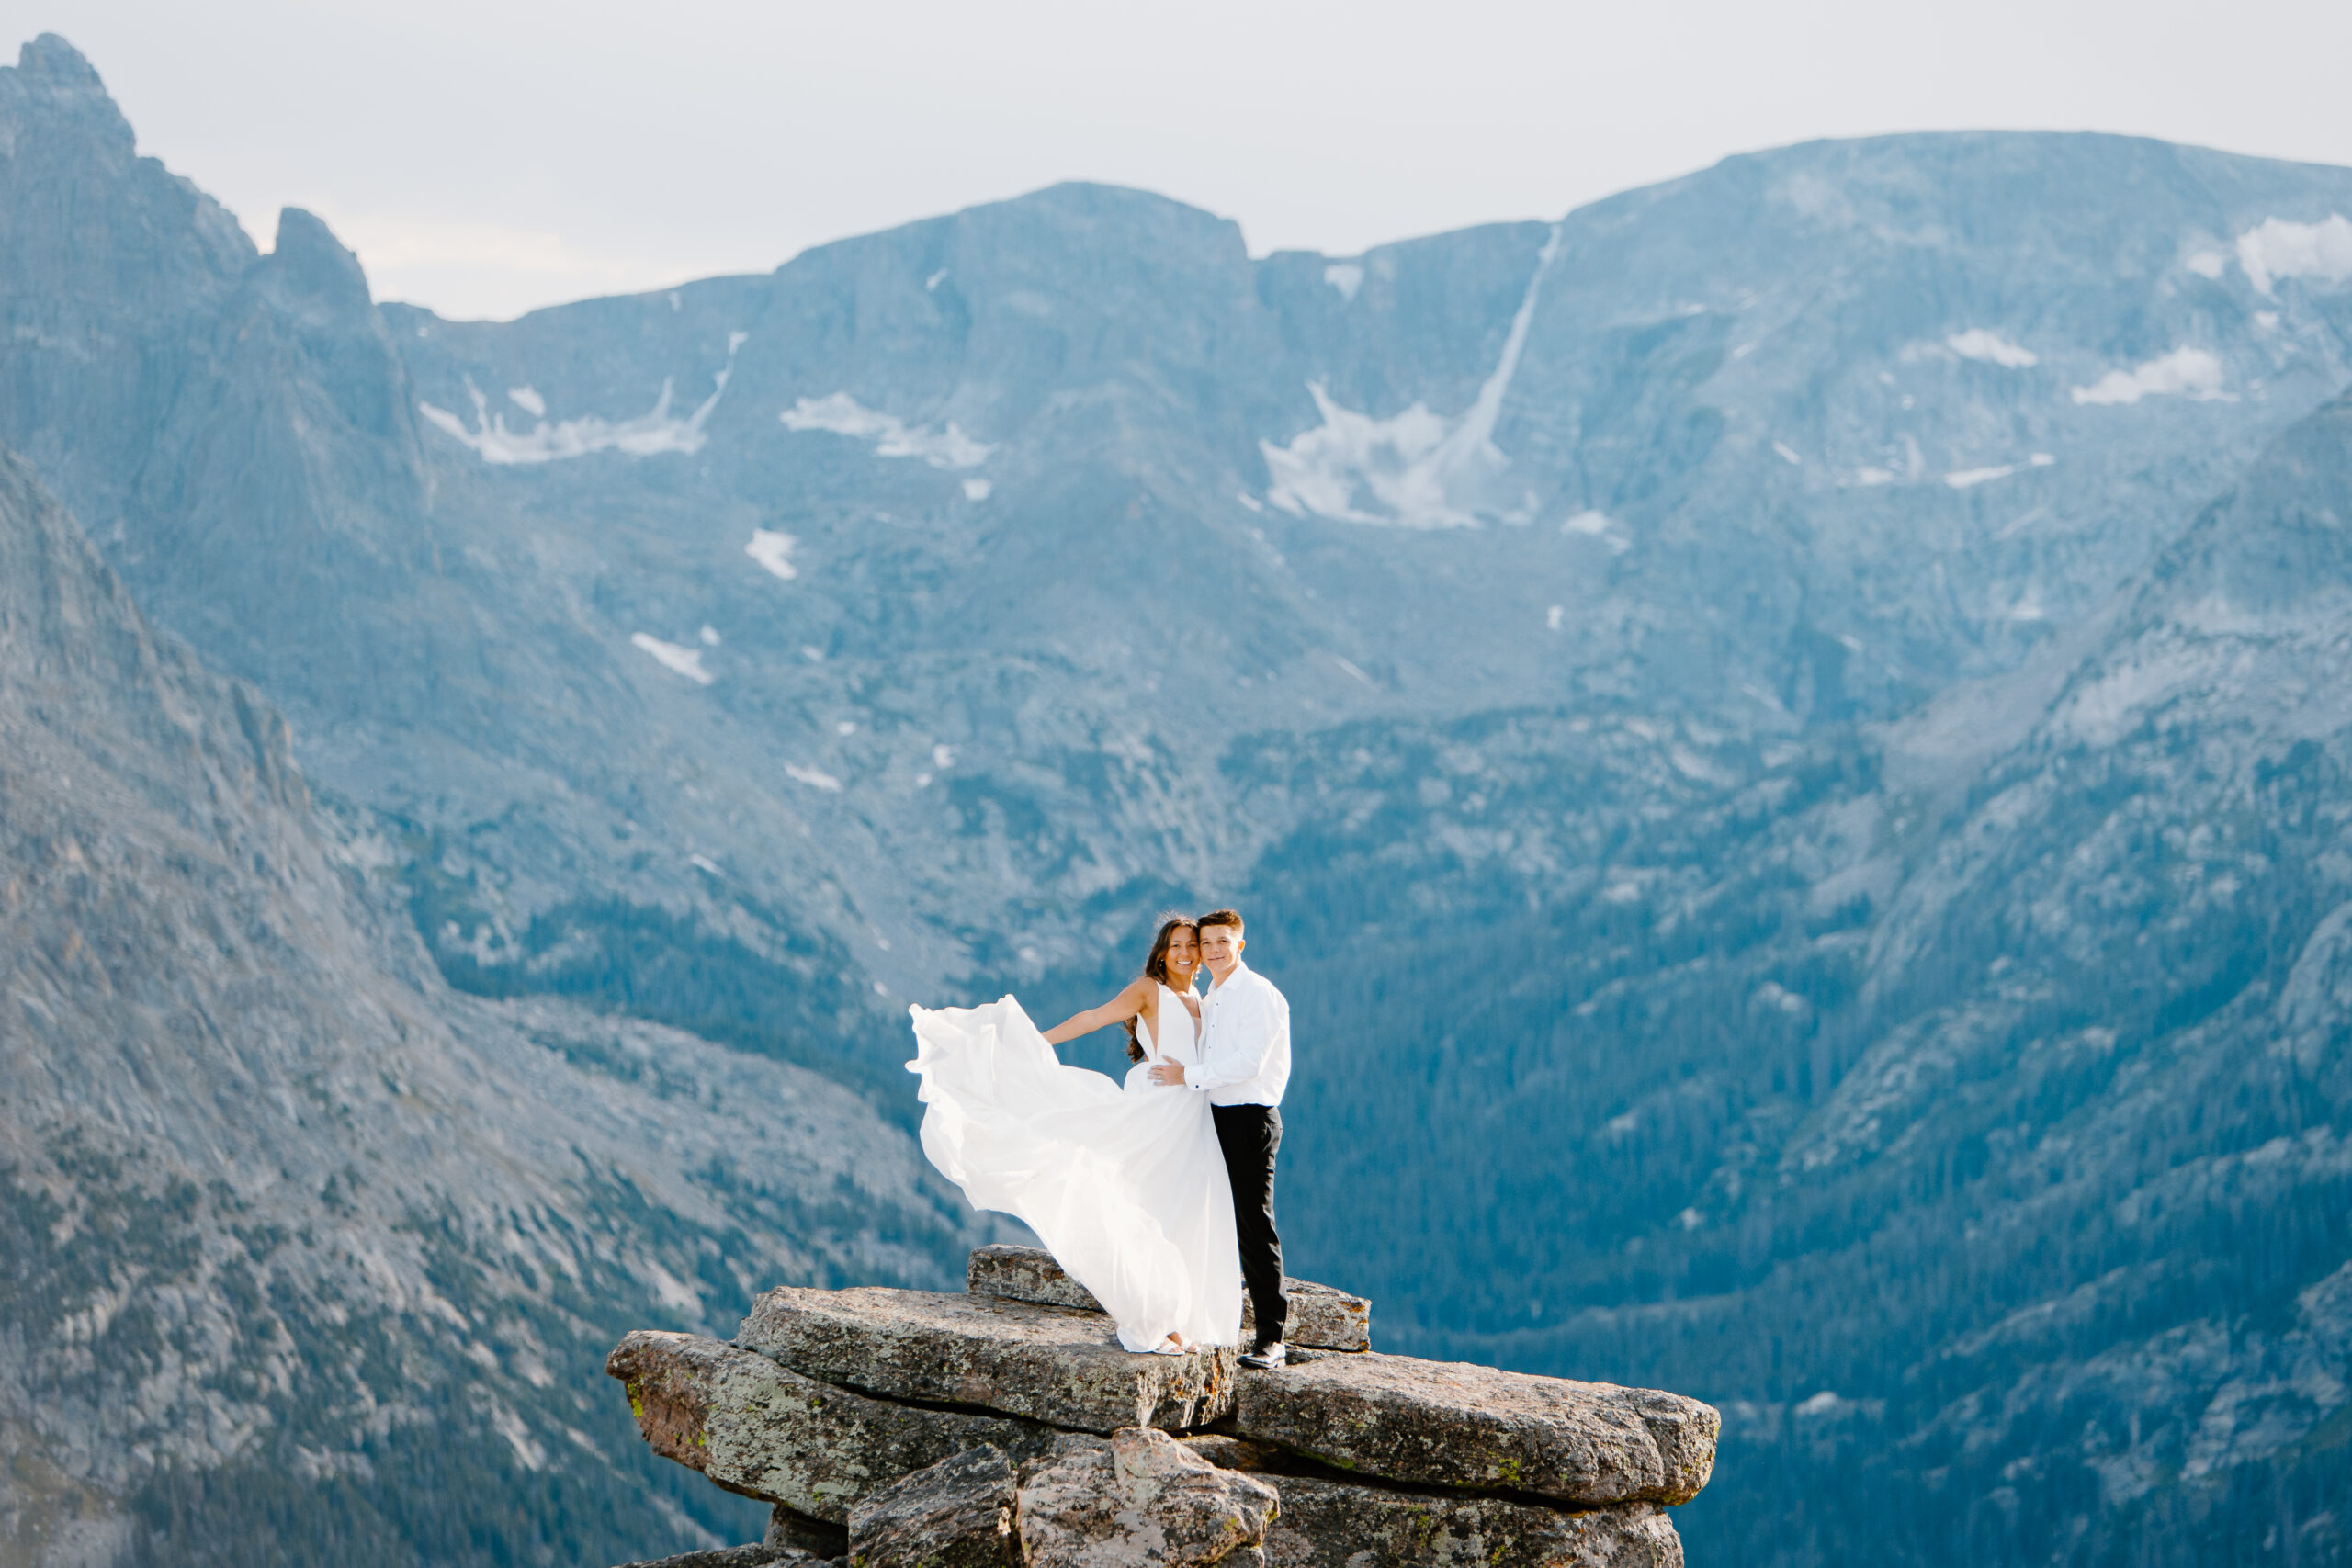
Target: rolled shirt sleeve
{"x": 1245, "y": 1036}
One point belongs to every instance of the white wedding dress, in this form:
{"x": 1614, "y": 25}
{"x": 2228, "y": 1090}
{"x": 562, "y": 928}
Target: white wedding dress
{"x": 1124, "y": 1183}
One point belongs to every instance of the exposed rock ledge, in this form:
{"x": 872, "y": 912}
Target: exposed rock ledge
{"x": 1005, "y": 1425}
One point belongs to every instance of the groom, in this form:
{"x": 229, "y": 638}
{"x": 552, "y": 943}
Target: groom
{"x": 1244, "y": 1065}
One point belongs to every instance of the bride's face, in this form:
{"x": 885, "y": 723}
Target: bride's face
{"x": 1184, "y": 955}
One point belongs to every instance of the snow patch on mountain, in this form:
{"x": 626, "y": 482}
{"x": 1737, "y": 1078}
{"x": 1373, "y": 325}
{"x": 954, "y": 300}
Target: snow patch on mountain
{"x": 1964, "y": 479}
{"x": 686, "y": 661}
{"x": 2275, "y": 248}
{"x": 773, "y": 550}
{"x": 2185, "y": 372}
{"x": 1991, "y": 348}
{"x": 1345, "y": 276}
{"x": 838, "y": 413}
{"x": 1413, "y": 469}
{"x": 648, "y": 434}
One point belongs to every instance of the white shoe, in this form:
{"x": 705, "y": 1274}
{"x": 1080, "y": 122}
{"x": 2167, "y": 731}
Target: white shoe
{"x": 1267, "y": 1357}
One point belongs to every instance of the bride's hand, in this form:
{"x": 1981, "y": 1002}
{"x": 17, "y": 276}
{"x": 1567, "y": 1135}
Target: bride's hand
{"x": 1167, "y": 1074}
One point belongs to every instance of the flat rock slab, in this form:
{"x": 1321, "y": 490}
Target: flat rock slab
{"x": 1451, "y": 1423}
{"x": 1047, "y": 1363}
{"x": 758, "y": 1429}
{"x": 1141, "y": 1500}
{"x": 956, "y": 1514}
{"x": 1328, "y": 1523}
{"x": 1320, "y": 1317}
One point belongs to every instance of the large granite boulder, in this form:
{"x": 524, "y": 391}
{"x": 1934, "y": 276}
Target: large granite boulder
{"x": 1320, "y": 1317}
{"x": 1142, "y": 1498}
{"x": 1328, "y": 1522}
{"x": 760, "y": 1429}
{"x": 956, "y": 1514}
{"x": 1052, "y": 1364}
{"x": 1451, "y": 1423}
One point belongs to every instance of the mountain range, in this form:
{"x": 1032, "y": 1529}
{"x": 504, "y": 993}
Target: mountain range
{"x": 1783, "y": 733}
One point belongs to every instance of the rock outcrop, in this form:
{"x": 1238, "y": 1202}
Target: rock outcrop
{"x": 757, "y": 1428}
{"x": 1054, "y": 1364}
{"x": 1449, "y": 1424}
{"x": 1000, "y": 1429}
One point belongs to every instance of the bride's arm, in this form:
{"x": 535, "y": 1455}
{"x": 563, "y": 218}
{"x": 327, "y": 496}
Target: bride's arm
{"x": 1118, "y": 1009}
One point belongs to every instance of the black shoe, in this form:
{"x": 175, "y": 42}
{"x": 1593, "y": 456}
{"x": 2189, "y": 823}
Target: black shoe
{"x": 1267, "y": 1357}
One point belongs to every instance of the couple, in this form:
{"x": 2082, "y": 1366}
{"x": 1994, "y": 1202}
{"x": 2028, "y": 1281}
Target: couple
{"x": 1158, "y": 1194}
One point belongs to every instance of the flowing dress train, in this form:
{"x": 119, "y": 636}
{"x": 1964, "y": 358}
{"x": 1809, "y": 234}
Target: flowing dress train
{"x": 1123, "y": 1182}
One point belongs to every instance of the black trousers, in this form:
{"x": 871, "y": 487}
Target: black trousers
{"x": 1250, "y": 1135}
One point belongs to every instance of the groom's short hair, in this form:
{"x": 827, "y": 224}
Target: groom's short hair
{"x": 1221, "y": 918}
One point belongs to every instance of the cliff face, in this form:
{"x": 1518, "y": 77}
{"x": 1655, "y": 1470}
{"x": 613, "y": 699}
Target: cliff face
{"x": 292, "y": 1230}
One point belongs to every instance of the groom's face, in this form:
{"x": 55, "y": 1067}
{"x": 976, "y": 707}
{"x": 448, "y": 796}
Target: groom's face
{"x": 1221, "y": 949}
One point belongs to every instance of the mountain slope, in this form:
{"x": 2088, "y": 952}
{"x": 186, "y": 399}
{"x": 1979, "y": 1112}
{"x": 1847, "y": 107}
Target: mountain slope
{"x": 1991, "y": 1177}
{"x": 1764, "y": 444}
{"x": 294, "y": 1231}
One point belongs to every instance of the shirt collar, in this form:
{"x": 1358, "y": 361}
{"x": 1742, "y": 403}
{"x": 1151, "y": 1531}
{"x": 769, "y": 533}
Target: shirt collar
{"x": 1240, "y": 968}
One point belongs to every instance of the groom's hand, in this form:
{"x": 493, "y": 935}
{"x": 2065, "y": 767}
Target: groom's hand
{"x": 1167, "y": 1073}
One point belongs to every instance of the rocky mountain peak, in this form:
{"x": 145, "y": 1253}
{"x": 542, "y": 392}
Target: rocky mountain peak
{"x": 55, "y": 81}
{"x": 310, "y": 264}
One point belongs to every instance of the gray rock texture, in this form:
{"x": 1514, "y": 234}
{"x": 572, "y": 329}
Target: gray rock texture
{"x": 817, "y": 1538}
{"x": 1451, "y": 1423}
{"x": 1331, "y": 1524}
{"x": 956, "y": 1514}
{"x": 1320, "y": 1317}
{"x": 756, "y": 1429}
{"x": 758, "y": 1556}
{"x": 1328, "y": 1522}
{"x": 1141, "y": 1498}
{"x": 1052, "y": 1364}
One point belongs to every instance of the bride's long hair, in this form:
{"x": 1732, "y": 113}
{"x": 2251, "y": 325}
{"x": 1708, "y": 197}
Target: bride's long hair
{"x": 1155, "y": 968}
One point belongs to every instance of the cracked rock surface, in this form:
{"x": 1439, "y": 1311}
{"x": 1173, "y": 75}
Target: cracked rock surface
{"x": 1140, "y": 1498}
{"x": 1453, "y": 1424}
{"x": 757, "y": 1428}
{"x": 1052, "y": 1364}
{"x": 956, "y": 1514}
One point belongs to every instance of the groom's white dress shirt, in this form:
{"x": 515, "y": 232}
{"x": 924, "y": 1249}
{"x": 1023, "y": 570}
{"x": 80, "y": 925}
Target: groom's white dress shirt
{"x": 1245, "y": 1041}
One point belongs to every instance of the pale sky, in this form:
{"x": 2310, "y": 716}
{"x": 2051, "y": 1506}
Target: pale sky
{"x": 488, "y": 156}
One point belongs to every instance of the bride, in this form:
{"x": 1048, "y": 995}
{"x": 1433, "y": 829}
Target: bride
{"x": 1123, "y": 1182}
